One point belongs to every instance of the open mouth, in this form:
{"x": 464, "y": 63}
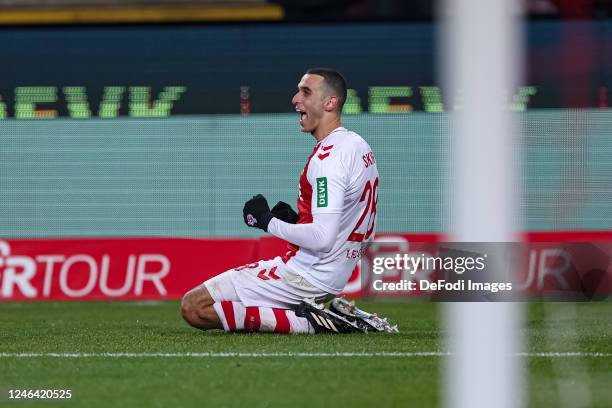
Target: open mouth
{"x": 302, "y": 114}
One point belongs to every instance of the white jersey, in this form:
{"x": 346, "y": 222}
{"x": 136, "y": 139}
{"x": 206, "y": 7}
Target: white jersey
{"x": 340, "y": 177}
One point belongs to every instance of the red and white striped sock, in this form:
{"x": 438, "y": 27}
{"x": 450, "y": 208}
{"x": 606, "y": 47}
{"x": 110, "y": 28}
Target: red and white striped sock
{"x": 236, "y": 317}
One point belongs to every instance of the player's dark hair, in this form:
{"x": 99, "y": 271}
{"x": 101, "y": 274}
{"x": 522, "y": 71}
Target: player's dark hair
{"x": 335, "y": 81}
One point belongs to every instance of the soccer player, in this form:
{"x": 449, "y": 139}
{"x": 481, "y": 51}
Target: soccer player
{"x": 337, "y": 202}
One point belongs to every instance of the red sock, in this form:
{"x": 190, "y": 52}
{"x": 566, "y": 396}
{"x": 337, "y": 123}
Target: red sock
{"x": 236, "y": 317}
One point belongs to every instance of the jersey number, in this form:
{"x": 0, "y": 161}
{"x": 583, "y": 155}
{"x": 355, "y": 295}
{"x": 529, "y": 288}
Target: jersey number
{"x": 370, "y": 193}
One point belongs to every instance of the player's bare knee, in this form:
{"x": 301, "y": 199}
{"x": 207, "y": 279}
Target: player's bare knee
{"x": 194, "y": 304}
{"x": 208, "y": 318}
{"x": 189, "y": 305}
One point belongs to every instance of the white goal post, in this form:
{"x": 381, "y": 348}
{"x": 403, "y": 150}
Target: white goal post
{"x": 481, "y": 58}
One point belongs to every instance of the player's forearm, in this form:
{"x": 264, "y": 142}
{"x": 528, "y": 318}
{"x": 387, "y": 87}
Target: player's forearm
{"x": 319, "y": 235}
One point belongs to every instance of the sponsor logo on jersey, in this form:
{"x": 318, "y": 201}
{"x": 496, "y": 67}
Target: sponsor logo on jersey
{"x": 325, "y": 149}
{"x": 321, "y": 191}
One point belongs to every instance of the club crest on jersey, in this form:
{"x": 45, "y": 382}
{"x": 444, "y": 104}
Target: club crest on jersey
{"x": 321, "y": 191}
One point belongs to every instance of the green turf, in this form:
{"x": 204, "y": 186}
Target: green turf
{"x": 278, "y": 381}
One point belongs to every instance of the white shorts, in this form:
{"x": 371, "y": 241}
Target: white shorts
{"x": 264, "y": 284}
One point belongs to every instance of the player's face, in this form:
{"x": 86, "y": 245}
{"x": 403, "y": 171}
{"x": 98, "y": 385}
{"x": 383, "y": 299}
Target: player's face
{"x": 309, "y": 102}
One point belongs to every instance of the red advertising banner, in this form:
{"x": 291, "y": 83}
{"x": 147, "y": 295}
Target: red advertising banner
{"x": 121, "y": 268}
{"x": 165, "y": 268}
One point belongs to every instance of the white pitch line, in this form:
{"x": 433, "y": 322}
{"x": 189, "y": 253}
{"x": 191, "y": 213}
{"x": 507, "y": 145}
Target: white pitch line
{"x": 268, "y": 355}
{"x": 228, "y": 354}
{"x": 564, "y": 354}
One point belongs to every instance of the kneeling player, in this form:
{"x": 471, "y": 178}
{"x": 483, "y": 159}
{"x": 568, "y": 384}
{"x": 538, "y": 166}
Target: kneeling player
{"x": 337, "y": 202}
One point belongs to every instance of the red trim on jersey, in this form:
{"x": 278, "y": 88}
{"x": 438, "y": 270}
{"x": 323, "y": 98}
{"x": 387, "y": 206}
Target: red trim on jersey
{"x": 323, "y": 156}
{"x": 290, "y": 253}
{"x": 282, "y": 322}
{"x": 326, "y": 148}
{"x": 304, "y": 205}
{"x": 228, "y": 311}
{"x": 252, "y": 320}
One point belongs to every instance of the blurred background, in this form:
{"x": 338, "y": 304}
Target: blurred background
{"x": 159, "y": 118}
{"x": 153, "y": 120}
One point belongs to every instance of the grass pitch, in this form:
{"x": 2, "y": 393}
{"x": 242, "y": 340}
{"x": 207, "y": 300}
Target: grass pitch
{"x": 82, "y": 332}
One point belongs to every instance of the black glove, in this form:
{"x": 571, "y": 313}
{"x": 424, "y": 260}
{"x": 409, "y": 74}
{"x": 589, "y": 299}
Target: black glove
{"x": 284, "y": 212}
{"x": 257, "y": 213}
